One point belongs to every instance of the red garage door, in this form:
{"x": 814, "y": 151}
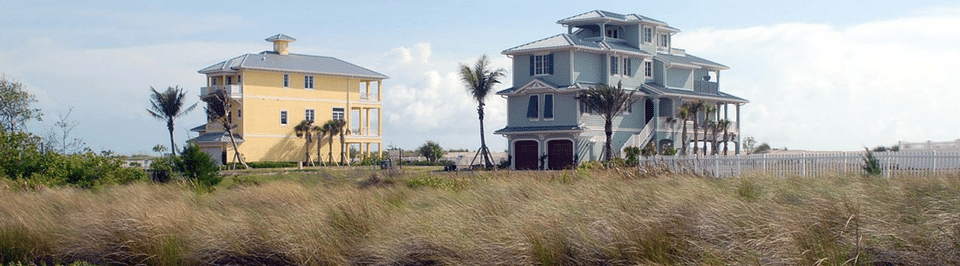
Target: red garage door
{"x": 525, "y": 152}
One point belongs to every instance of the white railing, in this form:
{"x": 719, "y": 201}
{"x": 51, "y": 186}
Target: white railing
{"x": 235, "y": 91}
{"x": 807, "y": 164}
{"x": 639, "y": 139}
{"x": 930, "y": 145}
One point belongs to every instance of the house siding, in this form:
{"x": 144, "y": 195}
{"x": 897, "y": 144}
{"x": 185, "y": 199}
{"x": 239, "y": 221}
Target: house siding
{"x": 588, "y": 67}
{"x": 679, "y": 78}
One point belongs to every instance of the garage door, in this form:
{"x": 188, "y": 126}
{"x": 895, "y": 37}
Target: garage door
{"x": 526, "y": 152}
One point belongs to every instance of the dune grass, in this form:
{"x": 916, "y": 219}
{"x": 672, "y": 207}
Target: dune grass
{"x": 416, "y": 217}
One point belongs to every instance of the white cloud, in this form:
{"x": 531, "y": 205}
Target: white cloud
{"x": 812, "y": 86}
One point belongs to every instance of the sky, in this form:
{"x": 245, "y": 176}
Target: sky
{"x": 819, "y": 75}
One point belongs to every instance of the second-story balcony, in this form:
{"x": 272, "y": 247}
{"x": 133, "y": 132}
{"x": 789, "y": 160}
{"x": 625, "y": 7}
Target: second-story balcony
{"x": 235, "y": 91}
{"x": 706, "y": 87}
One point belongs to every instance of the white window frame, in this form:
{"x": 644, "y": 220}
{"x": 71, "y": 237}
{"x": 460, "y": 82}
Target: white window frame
{"x": 627, "y": 64}
{"x": 286, "y": 81}
{"x": 540, "y": 65}
{"x": 647, "y": 68}
{"x": 663, "y": 39}
{"x": 342, "y": 112}
{"x": 308, "y": 82}
{"x": 310, "y": 114}
{"x": 614, "y": 65}
{"x": 284, "y": 117}
{"x": 647, "y": 34}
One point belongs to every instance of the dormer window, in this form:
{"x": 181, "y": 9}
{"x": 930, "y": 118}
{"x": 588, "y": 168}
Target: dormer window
{"x": 647, "y": 34}
{"x": 541, "y": 65}
{"x": 664, "y": 40}
{"x": 613, "y": 33}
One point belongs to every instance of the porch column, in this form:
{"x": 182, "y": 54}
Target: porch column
{"x": 379, "y": 90}
{"x": 656, "y": 121}
{"x": 738, "y": 130}
{"x": 368, "y": 89}
{"x": 366, "y": 115}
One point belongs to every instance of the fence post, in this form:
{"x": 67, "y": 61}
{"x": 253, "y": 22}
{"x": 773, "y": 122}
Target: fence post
{"x": 803, "y": 164}
{"x": 845, "y": 163}
{"x": 739, "y": 171}
{"x": 716, "y": 165}
{"x": 934, "y": 162}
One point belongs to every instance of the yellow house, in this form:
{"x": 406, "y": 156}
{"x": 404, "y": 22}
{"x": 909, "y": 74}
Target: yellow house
{"x": 273, "y": 91}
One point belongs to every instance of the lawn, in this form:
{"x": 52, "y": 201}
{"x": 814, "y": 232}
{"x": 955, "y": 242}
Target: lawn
{"x": 417, "y": 216}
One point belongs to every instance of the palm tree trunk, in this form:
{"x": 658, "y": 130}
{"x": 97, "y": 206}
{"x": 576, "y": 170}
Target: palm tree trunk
{"x": 330, "y": 155}
{"x": 173, "y": 148}
{"x": 725, "y": 141}
{"x": 696, "y": 145}
{"x": 320, "y": 143}
{"x": 306, "y": 150}
{"x": 236, "y": 151}
{"x": 483, "y": 142}
{"x": 608, "y": 131}
{"x": 683, "y": 139}
{"x": 343, "y": 150}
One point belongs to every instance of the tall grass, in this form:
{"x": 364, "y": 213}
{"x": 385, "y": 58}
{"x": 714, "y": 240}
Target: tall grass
{"x": 595, "y": 217}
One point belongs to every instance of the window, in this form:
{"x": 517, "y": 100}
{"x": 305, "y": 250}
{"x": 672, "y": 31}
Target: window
{"x": 338, "y": 114}
{"x": 541, "y": 64}
{"x": 612, "y": 33}
{"x": 533, "y": 111}
{"x": 229, "y": 80}
{"x": 613, "y": 65}
{"x": 647, "y": 34}
{"x": 239, "y": 113}
{"x": 286, "y": 80}
{"x": 664, "y": 40}
{"x": 548, "y": 106}
{"x": 647, "y": 68}
{"x": 308, "y": 82}
{"x": 239, "y": 81}
{"x": 309, "y": 115}
{"x": 626, "y": 67}
{"x": 283, "y": 117}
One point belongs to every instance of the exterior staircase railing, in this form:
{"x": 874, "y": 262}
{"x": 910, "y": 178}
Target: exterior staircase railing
{"x": 640, "y": 139}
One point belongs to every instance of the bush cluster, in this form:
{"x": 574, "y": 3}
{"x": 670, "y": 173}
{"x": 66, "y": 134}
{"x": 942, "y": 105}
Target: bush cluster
{"x": 22, "y": 159}
{"x": 193, "y": 165}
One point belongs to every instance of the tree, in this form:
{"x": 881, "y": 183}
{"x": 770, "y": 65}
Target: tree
{"x": 304, "y": 130}
{"x": 479, "y": 81}
{"x": 724, "y": 125}
{"x": 218, "y": 110}
{"x": 342, "y": 128}
{"x": 431, "y": 150}
{"x": 695, "y": 109}
{"x": 197, "y": 166}
{"x": 167, "y": 106}
{"x": 749, "y": 144}
{"x": 58, "y": 138}
{"x": 321, "y": 132}
{"x": 609, "y": 102}
{"x": 15, "y": 108}
{"x": 332, "y": 127}
{"x": 709, "y": 125}
{"x": 684, "y": 112}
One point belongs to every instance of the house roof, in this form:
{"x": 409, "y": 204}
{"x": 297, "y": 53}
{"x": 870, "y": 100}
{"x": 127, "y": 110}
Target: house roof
{"x": 607, "y": 16}
{"x": 280, "y": 37}
{"x": 272, "y": 61}
{"x": 562, "y": 128}
{"x": 199, "y": 128}
{"x": 690, "y": 61}
{"x": 657, "y": 89}
{"x": 575, "y": 86}
{"x": 216, "y": 137}
{"x": 563, "y": 41}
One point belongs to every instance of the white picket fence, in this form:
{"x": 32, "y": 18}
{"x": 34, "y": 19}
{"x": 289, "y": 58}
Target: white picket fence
{"x": 808, "y": 164}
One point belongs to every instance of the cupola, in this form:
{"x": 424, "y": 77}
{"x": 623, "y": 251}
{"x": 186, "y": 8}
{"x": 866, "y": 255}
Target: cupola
{"x": 281, "y": 43}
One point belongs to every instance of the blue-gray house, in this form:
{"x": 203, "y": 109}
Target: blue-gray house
{"x": 547, "y": 128}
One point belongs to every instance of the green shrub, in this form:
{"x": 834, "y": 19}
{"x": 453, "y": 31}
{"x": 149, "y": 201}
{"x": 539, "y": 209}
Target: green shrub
{"x": 272, "y": 164}
{"x": 196, "y": 166}
{"x": 86, "y": 170}
{"x": 163, "y": 169}
{"x": 871, "y": 164}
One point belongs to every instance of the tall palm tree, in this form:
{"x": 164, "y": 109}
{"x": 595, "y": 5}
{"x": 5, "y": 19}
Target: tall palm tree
{"x": 684, "y": 112}
{"x": 321, "y": 132}
{"x": 708, "y": 110}
{"x": 712, "y": 127}
{"x": 609, "y": 102}
{"x": 332, "y": 127}
{"x": 342, "y": 128}
{"x": 218, "y": 110}
{"x": 304, "y": 129}
{"x": 724, "y": 125}
{"x": 167, "y": 106}
{"x": 479, "y": 81}
{"x": 695, "y": 109}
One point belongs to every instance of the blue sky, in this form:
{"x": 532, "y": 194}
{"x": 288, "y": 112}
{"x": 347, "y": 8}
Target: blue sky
{"x": 820, "y": 75}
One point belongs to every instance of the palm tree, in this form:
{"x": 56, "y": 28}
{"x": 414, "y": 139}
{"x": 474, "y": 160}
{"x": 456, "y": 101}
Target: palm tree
{"x": 321, "y": 132}
{"x": 695, "y": 109}
{"x": 708, "y": 109}
{"x": 167, "y": 106}
{"x": 713, "y": 127}
{"x": 480, "y": 81}
{"x": 218, "y": 106}
{"x": 332, "y": 127}
{"x": 724, "y": 124}
{"x": 342, "y": 128}
{"x": 609, "y": 102}
{"x": 303, "y": 130}
{"x": 684, "y": 112}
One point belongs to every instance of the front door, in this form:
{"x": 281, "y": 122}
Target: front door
{"x": 560, "y": 154}
{"x": 525, "y": 154}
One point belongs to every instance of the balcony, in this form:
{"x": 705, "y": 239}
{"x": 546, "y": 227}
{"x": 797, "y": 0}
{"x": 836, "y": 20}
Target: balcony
{"x": 235, "y": 91}
{"x": 705, "y": 87}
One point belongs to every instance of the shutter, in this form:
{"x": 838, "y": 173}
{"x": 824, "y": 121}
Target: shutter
{"x": 548, "y": 106}
{"x": 531, "y": 65}
{"x": 550, "y": 64}
{"x": 532, "y": 111}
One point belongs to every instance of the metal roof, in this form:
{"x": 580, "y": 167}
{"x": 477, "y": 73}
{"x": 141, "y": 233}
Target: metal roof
{"x": 597, "y": 15}
{"x": 216, "y": 137}
{"x": 280, "y": 37}
{"x": 270, "y": 60}
{"x": 689, "y": 60}
{"x": 515, "y": 130}
{"x": 561, "y": 41}
{"x": 199, "y": 128}
{"x": 657, "y": 89}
